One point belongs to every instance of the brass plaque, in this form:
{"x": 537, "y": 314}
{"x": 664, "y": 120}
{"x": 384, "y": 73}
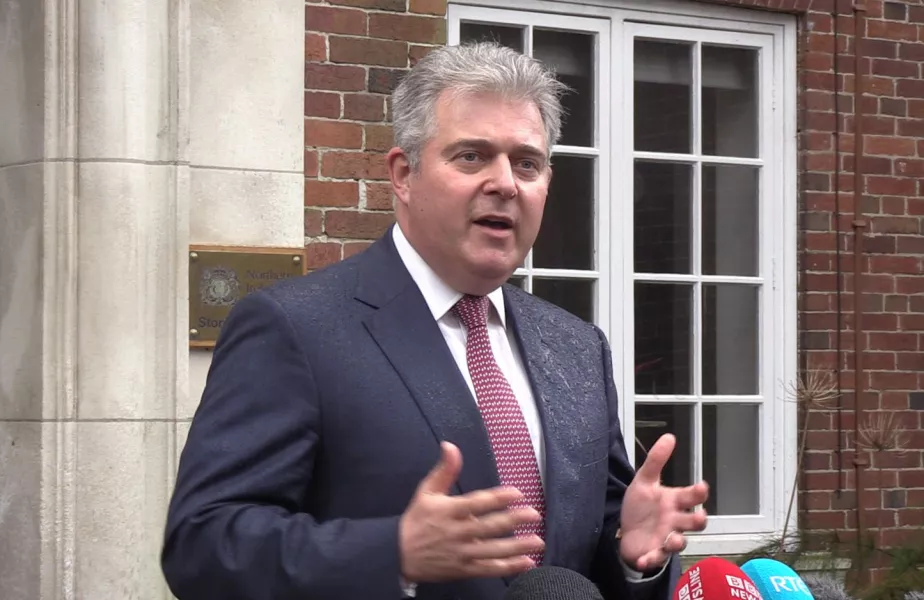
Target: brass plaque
{"x": 220, "y": 276}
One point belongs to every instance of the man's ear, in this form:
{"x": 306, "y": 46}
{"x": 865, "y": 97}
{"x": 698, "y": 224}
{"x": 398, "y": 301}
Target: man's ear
{"x": 399, "y": 171}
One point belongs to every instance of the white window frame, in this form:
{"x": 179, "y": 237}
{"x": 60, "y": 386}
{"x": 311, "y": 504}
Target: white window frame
{"x": 615, "y": 22}
{"x": 600, "y": 149}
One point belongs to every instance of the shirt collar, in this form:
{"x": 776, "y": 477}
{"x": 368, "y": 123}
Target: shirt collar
{"x": 440, "y": 298}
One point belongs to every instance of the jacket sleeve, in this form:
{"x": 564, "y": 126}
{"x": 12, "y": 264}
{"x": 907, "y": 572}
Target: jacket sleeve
{"x": 235, "y": 529}
{"x": 607, "y": 570}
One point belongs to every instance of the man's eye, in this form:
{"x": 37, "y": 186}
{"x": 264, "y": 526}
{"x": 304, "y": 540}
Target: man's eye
{"x": 469, "y": 156}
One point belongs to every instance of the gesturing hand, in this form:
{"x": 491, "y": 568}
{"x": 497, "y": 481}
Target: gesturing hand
{"x": 654, "y": 517}
{"x": 444, "y": 537}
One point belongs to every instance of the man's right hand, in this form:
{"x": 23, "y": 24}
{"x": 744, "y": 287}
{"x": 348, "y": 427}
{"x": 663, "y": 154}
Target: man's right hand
{"x": 445, "y": 537}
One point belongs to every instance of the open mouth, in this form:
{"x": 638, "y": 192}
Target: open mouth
{"x": 495, "y": 223}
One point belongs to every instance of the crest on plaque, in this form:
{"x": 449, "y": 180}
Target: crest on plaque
{"x": 219, "y": 286}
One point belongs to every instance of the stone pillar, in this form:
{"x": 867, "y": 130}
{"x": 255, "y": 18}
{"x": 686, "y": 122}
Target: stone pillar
{"x": 93, "y": 292}
{"x": 113, "y": 137}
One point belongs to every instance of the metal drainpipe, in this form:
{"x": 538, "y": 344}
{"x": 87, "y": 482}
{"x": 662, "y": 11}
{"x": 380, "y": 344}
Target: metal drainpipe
{"x": 860, "y": 225}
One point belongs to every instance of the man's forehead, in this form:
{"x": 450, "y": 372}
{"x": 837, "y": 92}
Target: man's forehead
{"x": 489, "y": 119}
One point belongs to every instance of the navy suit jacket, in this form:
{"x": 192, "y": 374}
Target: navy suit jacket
{"x": 324, "y": 407}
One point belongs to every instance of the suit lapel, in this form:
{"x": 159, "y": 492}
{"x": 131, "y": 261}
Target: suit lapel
{"x": 404, "y": 329}
{"x": 549, "y": 387}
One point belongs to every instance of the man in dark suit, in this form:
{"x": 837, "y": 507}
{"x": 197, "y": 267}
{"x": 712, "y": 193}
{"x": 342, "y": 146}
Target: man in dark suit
{"x": 405, "y": 424}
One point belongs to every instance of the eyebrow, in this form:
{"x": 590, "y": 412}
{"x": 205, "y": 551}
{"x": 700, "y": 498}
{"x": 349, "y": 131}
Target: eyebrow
{"x": 481, "y": 143}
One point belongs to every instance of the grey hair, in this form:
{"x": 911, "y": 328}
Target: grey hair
{"x": 472, "y": 68}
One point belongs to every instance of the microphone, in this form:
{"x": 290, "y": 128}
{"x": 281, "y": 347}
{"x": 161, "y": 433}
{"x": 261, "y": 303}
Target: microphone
{"x": 552, "y": 583}
{"x": 715, "y": 578}
{"x": 826, "y": 587}
{"x": 776, "y": 580}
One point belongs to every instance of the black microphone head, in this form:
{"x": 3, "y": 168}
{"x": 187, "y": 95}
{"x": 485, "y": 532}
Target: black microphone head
{"x": 552, "y": 583}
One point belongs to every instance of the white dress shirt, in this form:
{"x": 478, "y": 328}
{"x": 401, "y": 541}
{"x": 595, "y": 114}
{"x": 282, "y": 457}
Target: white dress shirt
{"x": 440, "y": 298}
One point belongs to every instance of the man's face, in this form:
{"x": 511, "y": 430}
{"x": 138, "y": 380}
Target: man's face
{"x": 473, "y": 208}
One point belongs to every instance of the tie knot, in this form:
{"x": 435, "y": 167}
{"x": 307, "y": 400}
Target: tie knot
{"x": 472, "y": 311}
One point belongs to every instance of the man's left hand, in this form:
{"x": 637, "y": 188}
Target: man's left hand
{"x": 655, "y": 517}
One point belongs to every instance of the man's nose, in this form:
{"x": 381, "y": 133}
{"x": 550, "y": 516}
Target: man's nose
{"x": 502, "y": 180}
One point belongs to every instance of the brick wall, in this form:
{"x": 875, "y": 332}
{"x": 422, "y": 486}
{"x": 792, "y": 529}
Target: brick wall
{"x": 357, "y": 49}
{"x": 355, "y": 53}
{"x": 893, "y": 284}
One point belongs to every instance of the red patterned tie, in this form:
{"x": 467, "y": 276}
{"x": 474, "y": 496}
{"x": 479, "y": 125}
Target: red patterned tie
{"x": 513, "y": 448}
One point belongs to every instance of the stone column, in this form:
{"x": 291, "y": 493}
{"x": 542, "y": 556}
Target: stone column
{"x": 117, "y": 140}
{"x": 93, "y": 292}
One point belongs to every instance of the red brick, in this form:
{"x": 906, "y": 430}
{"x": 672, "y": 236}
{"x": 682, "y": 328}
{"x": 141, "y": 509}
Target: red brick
{"x": 314, "y": 222}
{"x": 916, "y": 107}
{"x": 913, "y": 51}
{"x": 894, "y": 341}
{"x": 411, "y": 28}
{"x": 322, "y": 104}
{"x": 364, "y": 51}
{"x": 321, "y": 254}
{"x": 910, "y": 88}
{"x": 333, "y": 134}
{"x": 909, "y": 285}
{"x": 909, "y": 167}
{"x": 357, "y": 225}
{"x": 890, "y": 30}
{"x": 416, "y": 52}
{"x": 384, "y": 81}
{"x": 335, "y": 77}
{"x": 394, "y": 5}
{"x": 881, "y": 48}
{"x": 894, "y": 68}
{"x": 895, "y": 225}
{"x": 354, "y": 248}
{"x": 379, "y": 196}
{"x": 331, "y": 193}
{"x": 911, "y": 479}
{"x": 820, "y": 162}
{"x": 330, "y": 19}
{"x": 825, "y": 519}
{"x": 354, "y": 165}
{"x": 911, "y": 127}
{"x": 363, "y": 107}
{"x": 819, "y": 23}
{"x": 894, "y": 264}
{"x": 893, "y": 381}
{"x": 815, "y": 500}
{"x": 315, "y": 48}
{"x": 911, "y": 517}
{"x": 311, "y": 163}
{"x": 910, "y": 245}
{"x": 912, "y": 322}
{"x": 378, "y": 137}
{"x": 428, "y": 7}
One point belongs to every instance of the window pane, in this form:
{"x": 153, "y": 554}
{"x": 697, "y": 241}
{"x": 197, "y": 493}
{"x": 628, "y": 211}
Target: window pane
{"x": 731, "y": 443}
{"x": 574, "y": 295}
{"x": 730, "y": 220}
{"x": 663, "y": 209}
{"x": 663, "y": 338}
{"x": 730, "y": 339}
{"x": 729, "y": 101}
{"x": 571, "y": 55}
{"x": 566, "y": 238}
{"x": 654, "y": 420}
{"x": 512, "y": 37}
{"x": 663, "y": 86}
